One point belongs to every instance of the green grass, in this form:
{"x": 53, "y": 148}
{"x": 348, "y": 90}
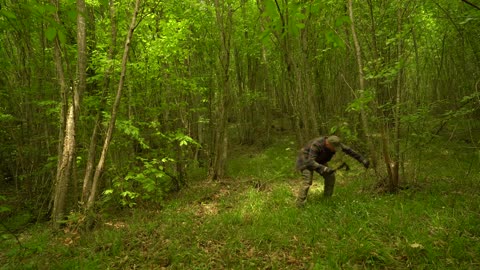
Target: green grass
{"x": 249, "y": 221}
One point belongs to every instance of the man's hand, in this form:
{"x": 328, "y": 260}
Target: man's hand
{"x": 366, "y": 163}
{"x": 325, "y": 170}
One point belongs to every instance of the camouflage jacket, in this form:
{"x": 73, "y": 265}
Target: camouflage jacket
{"x": 315, "y": 155}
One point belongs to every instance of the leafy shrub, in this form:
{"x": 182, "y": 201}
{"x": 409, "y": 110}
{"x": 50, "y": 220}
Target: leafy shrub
{"x": 148, "y": 182}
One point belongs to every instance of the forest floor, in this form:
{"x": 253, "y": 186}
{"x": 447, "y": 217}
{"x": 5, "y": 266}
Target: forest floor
{"x": 249, "y": 221}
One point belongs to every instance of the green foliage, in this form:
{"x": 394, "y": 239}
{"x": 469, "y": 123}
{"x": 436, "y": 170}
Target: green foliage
{"x": 171, "y": 85}
{"x": 7, "y": 14}
{"x": 147, "y": 182}
{"x": 278, "y": 23}
{"x": 344, "y": 129}
{"x": 128, "y": 128}
{"x": 6, "y": 117}
{"x": 420, "y": 127}
{"x": 237, "y": 224}
{"x": 151, "y": 174}
{"x": 465, "y": 109}
{"x": 331, "y": 36}
{"x": 333, "y": 39}
{"x": 362, "y": 102}
{"x": 4, "y": 208}
{"x": 182, "y": 139}
{"x": 386, "y": 73}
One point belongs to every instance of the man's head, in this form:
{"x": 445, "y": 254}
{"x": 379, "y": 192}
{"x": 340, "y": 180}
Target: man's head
{"x": 333, "y": 143}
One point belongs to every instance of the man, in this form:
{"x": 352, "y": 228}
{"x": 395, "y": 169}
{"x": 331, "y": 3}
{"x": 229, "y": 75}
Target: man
{"x": 314, "y": 157}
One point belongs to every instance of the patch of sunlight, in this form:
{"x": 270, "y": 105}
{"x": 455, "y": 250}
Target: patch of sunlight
{"x": 317, "y": 187}
{"x": 254, "y": 203}
{"x": 116, "y": 224}
{"x": 206, "y": 209}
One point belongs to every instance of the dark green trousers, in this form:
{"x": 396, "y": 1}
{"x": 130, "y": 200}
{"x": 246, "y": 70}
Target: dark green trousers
{"x": 307, "y": 183}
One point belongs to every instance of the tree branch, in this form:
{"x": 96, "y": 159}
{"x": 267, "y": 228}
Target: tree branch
{"x": 471, "y": 4}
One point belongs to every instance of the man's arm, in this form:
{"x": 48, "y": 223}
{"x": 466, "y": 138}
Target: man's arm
{"x": 349, "y": 151}
{"x": 313, "y": 152}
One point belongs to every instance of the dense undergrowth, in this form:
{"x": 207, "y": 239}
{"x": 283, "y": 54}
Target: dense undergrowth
{"x": 249, "y": 221}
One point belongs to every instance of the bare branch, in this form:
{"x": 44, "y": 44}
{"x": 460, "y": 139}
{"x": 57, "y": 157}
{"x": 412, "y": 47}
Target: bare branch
{"x": 471, "y": 4}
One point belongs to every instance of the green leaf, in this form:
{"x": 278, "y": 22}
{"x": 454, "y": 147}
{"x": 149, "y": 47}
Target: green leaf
{"x": 341, "y": 21}
{"x": 129, "y": 194}
{"x": 62, "y": 37}
{"x": 270, "y": 9}
{"x": 6, "y": 117}
{"x": 159, "y": 174}
{"x": 108, "y": 191}
{"x": 333, "y": 39}
{"x": 8, "y": 14}
{"x": 72, "y": 14}
{"x": 50, "y": 33}
{"x": 361, "y": 103}
{"x": 333, "y": 129}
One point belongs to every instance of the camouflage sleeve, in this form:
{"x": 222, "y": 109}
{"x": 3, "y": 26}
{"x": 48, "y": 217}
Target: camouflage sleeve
{"x": 347, "y": 150}
{"x": 313, "y": 152}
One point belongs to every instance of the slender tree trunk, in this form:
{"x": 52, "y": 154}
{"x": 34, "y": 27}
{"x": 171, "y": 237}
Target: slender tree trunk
{"x": 64, "y": 171}
{"x": 66, "y": 136}
{"x": 308, "y": 86}
{"x": 116, "y": 105}
{"x": 99, "y": 118}
{"x": 396, "y": 155}
{"x": 294, "y": 97}
{"x": 380, "y": 88}
{"x": 220, "y": 143}
{"x": 267, "y": 83}
{"x": 63, "y": 87}
{"x": 82, "y": 52}
{"x": 361, "y": 79}
{"x": 81, "y": 81}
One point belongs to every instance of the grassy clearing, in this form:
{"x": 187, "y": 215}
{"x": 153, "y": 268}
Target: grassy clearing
{"x": 249, "y": 222}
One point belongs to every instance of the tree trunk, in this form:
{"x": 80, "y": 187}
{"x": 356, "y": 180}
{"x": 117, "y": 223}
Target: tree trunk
{"x": 396, "y": 144}
{"x": 383, "y": 125}
{"x": 82, "y": 81}
{"x": 361, "y": 79}
{"x": 116, "y": 105}
{"x": 220, "y": 137}
{"x": 306, "y": 81}
{"x": 64, "y": 171}
{"x": 99, "y": 118}
{"x": 66, "y": 136}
